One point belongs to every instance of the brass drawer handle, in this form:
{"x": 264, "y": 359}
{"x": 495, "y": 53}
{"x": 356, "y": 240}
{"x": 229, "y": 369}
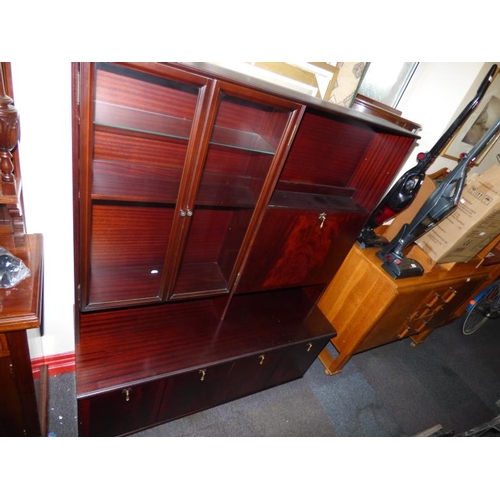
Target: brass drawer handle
{"x": 322, "y": 218}
{"x": 261, "y": 358}
{"x": 127, "y": 394}
{"x": 309, "y": 346}
{"x": 202, "y": 373}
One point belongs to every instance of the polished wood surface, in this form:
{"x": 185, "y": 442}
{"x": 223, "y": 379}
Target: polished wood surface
{"x": 22, "y": 305}
{"x": 144, "y": 366}
{"x": 118, "y": 347}
{"x": 371, "y": 106}
{"x": 21, "y": 414}
{"x": 368, "y": 308}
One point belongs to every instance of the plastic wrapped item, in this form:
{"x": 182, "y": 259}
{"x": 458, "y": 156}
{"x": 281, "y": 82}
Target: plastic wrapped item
{"x": 12, "y": 269}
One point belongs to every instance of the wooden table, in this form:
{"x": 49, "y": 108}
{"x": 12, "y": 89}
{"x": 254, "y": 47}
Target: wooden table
{"x": 21, "y": 412}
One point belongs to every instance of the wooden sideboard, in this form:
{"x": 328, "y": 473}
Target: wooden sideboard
{"x": 22, "y": 410}
{"x": 368, "y": 308}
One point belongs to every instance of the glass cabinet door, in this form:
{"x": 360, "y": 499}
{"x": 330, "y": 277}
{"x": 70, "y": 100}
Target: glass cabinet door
{"x": 243, "y": 143}
{"x": 142, "y": 124}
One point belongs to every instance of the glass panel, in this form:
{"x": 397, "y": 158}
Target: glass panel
{"x": 142, "y": 126}
{"x": 127, "y": 264}
{"x": 241, "y": 151}
{"x": 138, "y": 101}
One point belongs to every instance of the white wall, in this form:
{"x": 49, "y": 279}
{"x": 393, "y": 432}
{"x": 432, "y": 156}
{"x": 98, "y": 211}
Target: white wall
{"x": 435, "y": 96}
{"x": 43, "y": 100}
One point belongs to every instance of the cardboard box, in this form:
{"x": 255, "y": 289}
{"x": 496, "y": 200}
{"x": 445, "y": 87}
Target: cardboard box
{"x": 474, "y": 223}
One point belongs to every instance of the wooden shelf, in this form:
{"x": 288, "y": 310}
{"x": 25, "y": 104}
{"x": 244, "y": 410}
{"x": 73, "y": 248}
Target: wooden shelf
{"x": 200, "y": 276}
{"x": 125, "y": 118}
{"x": 117, "y": 181}
{"x": 314, "y": 201}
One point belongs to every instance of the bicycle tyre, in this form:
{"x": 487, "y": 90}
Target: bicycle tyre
{"x": 481, "y": 311}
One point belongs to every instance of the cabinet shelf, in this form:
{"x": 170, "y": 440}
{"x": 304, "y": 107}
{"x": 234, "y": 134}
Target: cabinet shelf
{"x": 314, "y": 197}
{"x": 122, "y": 286}
{"x": 118, "y": 181}
{"x": 240, "y": 139}
{"x": 206, "y": 275}
{"x": 113, "y": 116}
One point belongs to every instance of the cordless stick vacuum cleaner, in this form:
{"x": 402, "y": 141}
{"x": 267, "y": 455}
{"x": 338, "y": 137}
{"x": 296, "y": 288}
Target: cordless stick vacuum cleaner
{"x": 404, "y": 191}
{"x": 441, "y": 203}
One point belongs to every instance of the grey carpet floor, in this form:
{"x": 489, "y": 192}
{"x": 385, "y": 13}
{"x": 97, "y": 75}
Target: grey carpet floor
{"x": 450, "y": 380}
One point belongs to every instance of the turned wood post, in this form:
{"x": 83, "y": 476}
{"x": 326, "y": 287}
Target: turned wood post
{"x": 9, "y": 131}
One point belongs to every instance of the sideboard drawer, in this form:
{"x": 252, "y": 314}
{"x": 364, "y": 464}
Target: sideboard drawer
{"x": 193, "y": 391}
{"x": 296, "y": 360}
{"x": 120, "y": 411}
{"x": 251, "y": 374}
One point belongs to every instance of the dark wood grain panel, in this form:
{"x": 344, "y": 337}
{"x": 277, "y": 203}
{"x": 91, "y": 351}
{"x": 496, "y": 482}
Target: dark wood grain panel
{"x": 233, "y": 162}
{"x": 194, "y": 391}
{"x": 295, "y": 361}
{"x": 11, "y": 414}
{"x": 113, "y": 180}
{"x": 326, "y": 150}
{"x": 120, "y": 412}
{"x": 143, "y": 91}
{"x": 138, "y": 149}
{"x": 258, "y": 114}
{"x": 383, "y": 158}
{"x": 292, "y": 249}
{"x": 126, "y": 265}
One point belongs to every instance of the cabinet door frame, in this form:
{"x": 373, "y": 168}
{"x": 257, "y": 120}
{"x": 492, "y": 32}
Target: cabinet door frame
{"x": 196, "y": 172}
{"x": 83, "y": 78}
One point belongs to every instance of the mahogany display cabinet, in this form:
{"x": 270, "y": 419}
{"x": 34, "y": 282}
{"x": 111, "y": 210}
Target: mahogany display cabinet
{"x": 211, "y": 211}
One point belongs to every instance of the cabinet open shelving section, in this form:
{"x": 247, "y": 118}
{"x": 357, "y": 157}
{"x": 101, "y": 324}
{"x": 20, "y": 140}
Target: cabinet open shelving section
{"x": 212, "y": 211}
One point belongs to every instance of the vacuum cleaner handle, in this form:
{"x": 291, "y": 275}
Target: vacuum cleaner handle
{"x": 406, "y": 188}
{"x": 442, "y": 201}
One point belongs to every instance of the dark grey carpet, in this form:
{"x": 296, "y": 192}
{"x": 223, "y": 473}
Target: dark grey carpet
{"x": 450, "y": 380}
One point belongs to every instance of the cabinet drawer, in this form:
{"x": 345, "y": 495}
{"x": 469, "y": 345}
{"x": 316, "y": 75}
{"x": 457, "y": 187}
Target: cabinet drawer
{"x": 11, "y": 412}
{"x": 251, "y": 374}
{"x": 121, "y": 411}
{"x": 296, "y": 360}
{"x": 193, "y": 391}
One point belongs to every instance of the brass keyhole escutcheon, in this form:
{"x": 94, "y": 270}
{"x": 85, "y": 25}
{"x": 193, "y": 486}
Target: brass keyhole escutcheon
{"x": 127, "y": 394}
{"x": 261, "y": 358}
{"x": 322, "y": 218}
{"x": 202, "y": 375}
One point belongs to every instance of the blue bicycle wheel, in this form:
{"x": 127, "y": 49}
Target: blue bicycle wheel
{"x": 484, "y": 306}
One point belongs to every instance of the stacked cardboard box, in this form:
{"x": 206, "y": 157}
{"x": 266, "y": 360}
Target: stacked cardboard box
{"x": 474, "y": 223}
